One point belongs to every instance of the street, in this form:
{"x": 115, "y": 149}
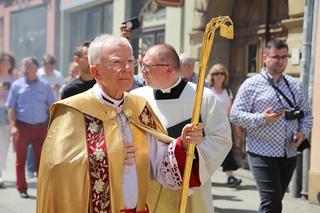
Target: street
{"x": 10, "y": 201}
{"x": 243, "y": 199}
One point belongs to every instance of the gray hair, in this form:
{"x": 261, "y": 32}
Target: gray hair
{"x": 32, "y": 60}
{"x": 186, "y": 58}
{"x": 95, "y": 49}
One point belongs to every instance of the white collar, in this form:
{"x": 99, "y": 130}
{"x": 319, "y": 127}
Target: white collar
{"x": 168, "y": 90}
{"x": 102, "y": 96}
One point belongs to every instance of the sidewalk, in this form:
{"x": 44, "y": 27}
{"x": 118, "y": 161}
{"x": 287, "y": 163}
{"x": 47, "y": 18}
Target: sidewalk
{"x": 10, "y": 201}
{"x": 243, "y": 199}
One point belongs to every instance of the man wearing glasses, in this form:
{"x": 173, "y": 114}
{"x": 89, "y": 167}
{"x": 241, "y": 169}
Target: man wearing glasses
{"x": 273, "y": 109}
{"x": 172, "y": 99}
{"x": 104, "y": 145}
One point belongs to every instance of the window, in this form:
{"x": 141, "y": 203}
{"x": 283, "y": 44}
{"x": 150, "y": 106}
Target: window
{"x": 150, "y": 38}
{"x": 251, "y": 58}
{"x": 28, "y": 37}
{"x": 87, "y": 24}
{"x": 153, "y": 28}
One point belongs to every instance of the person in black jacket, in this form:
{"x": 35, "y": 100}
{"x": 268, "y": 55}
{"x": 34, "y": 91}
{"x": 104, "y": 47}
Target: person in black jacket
{"x": 85, "y": 80}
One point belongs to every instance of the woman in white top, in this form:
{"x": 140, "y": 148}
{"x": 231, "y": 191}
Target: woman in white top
{"x": 7, "y": 65}
{"x": 218, "y": 81}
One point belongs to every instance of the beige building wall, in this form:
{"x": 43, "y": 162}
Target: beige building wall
{"x": 179, "y": 26}
{"x": 294, "y": 25}
{"x": 121, "y": 13}
{"x": 174, "y": 27}
{"x": 314, "y": 172}
{"x": 51, "y": 23}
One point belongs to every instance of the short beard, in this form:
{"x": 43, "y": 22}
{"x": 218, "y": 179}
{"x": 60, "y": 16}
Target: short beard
{"x": 274, "y": 71}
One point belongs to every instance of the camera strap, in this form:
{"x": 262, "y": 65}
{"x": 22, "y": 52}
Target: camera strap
{"x": 280, "y": 92}
{"x": 294, "y": 97}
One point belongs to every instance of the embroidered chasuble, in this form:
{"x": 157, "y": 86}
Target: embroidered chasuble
{"x": 81, "y": 168}
{"x": 173, "y": 106}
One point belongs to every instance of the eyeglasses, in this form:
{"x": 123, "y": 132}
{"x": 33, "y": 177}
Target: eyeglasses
{"x": 118, "y": 65}
{"x": 217, "y": 73}
{"x": 5, "y": 59}
{"x": 149, "y": 66}
{"x": 278, "y": 57}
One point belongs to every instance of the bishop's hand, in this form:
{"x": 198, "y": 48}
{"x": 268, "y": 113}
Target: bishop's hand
{"x": 129, "y": 154}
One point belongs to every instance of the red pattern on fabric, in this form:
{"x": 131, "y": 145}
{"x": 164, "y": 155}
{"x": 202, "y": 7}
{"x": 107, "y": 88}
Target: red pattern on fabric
{"x": 146, "y": 118}
{"x": 98, "y": 166}
{"x": 181, "y": 159}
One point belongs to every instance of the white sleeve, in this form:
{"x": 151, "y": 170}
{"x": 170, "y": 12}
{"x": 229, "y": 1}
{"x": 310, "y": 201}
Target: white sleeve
{"x": 217, "y": 141}
{"x": 164, "y": 165}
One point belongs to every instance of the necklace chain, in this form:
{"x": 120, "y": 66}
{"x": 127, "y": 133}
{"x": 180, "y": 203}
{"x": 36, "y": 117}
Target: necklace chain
{"x": 123, "y": 126}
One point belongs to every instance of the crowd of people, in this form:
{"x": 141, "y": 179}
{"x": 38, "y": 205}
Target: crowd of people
{"x": 109, "y": 127}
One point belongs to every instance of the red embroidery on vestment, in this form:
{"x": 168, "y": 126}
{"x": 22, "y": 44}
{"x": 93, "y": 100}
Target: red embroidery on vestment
{"x": 146, "y": 118}
{"x": 98, "y": 166}
{"x": 169, "y": 169}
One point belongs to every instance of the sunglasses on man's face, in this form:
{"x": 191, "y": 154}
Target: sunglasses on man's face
{"x": 217, "y": 73}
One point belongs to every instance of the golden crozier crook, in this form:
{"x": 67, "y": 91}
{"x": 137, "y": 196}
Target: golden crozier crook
{"x": 226, "y": 30}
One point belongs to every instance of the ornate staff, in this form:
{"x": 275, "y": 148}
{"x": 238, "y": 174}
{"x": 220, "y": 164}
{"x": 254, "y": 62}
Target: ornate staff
{"x": 226, "y": 30}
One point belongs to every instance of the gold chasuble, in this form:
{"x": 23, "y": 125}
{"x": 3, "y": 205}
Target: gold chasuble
{"x": 81, "y": 165}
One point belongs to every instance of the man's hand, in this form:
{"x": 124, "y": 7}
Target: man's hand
{"x": 192, "y": 134}
{"x": 270, "y": 116}
{"x": 297, "y": 139}
{"x": 129, "y": 153}
{"x": 14, "y": 131}
{"x": 125, "y": 32}
{"x": 56, "y": 86}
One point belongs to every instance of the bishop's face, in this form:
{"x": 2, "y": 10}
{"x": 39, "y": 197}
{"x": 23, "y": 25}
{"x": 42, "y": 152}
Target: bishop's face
{"x": 115, "y": 72}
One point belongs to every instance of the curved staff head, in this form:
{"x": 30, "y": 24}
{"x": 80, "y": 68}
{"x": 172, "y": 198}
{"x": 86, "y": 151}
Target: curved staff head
{"x": 226, "y": 30}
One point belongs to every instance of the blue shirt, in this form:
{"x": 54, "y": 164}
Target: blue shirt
{"x": 256, "y": 95}
{"x": 30, "y": 101}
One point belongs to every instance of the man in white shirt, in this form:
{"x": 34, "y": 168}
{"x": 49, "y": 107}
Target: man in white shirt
{"x": 50, "y": 74}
